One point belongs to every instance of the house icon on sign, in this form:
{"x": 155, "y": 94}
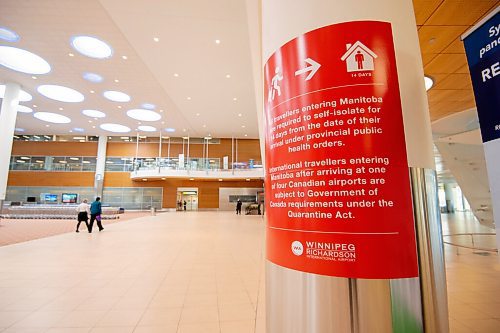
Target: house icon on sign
{"x": 359, "y": 58}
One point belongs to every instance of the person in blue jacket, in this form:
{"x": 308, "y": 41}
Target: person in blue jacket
{"x": 95, "y": 214}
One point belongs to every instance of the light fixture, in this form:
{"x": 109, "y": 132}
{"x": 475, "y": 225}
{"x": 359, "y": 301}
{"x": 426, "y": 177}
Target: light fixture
{"x": 143, "y": 115}
{"x": 116, "y": 80}
{"x": 204, "y": 125}
{"x": 144, "y": 180}
{"x": 25, "y": 157}
{"x": 92, "y": 91}
{"x": 217, "y": 41}
{"x": 228, "y": 76}
{"x": 176, "y": 75}
{"x": 188, "y": 98}
{"x": 60, "y": 109}
{"x": 208, "y": 138}
{"x": 92, "y": 77}
{"x": 156, "y": 39}
{"x": 24, "y": 109}
{"x": 239, "y": 114}
{"x": 50, "y": 117}
{"x": 235, "y": 99}
{"x": 8, "y": 35}
{"x": 23, "y": 61}
{"x": 220, "y": 179}
{"x": 34, "y": 77}
{"x": 91, "y": 47}
{"x": 429, "y": 82}
{"x": 149, "y": 106}
{"x": 17, "y": 129}
{"x": 78, "y": 129}
{"x": 197, "y": 114}
{"x": 71, "y": 54}
{"x": 243, "y": 126}
{"x": 170, "y": 129}
{"x": 246, "y": 135}
{"x": 115, "y": 128}
{"x": 163, "y": 178}
{"x": 94, "y": 113}
{"x": 191, "y": 178}
{"x": 124, "y": 57}
{"x": 146, "y": 128}
{"x": 23, "y": 95}
{"x": 116, "y": 96}
{"x": 60, "y": 93}
{"x": 248, "y": 179}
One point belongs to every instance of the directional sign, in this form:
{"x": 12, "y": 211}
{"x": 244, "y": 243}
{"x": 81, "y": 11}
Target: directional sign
{"x": 312, "y": 69}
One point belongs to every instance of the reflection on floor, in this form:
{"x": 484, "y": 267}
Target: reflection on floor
{"x": 183, "y": 272}
{"x": 14, "y": 231}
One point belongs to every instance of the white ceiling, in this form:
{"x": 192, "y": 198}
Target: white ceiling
{"x": 187, "y": 31}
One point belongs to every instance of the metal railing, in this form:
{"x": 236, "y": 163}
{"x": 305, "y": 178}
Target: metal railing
{"x": 473, "y": 242}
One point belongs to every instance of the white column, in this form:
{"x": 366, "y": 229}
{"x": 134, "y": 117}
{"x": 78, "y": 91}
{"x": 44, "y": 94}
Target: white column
{"x": 7, "y": 127}
{"x": 100, "y": 165}
{"x": 304, "y": 302}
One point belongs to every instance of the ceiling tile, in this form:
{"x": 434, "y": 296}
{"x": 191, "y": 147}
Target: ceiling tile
{"x": 454, "y": 81}
{"x": 434, "y": 39}
{"x": 460, "y": 12}
{"x": 424, "y": 9}
{"x": 456, "y": 47}
{"x": 445, "y": 63}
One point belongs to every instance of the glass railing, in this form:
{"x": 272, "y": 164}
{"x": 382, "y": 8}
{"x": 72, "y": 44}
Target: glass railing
{"x": 52, "y": 163}
{"x": 192, "y": 163}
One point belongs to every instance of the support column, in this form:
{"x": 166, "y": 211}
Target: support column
{"x": 100, "y": 165}
{"x": 352, "y": 298}
{"x": 8, "y": 115}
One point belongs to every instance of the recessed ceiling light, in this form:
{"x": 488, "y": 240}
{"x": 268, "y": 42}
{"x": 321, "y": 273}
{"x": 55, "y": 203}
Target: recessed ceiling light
{"x": 243, "y": 126}
{"x": 188, "y": 98}
{"x": 34, "y": 77}
{"x": 170, "y": 129}
{"x": 176, "y": 75}
{"x": 91, "y": 47}
{"x": 60, "y": 109}
{"x": 78, "y": 129}
{"x": 60, "y": 93}
{"x": 144, "y": 179}
{"x": 146, "y": 128}
{"x": 93, "y": 77}
{"x": 119, "y": 106}
{"x": 239, "y": 114}
{"x": 248, "y": 179}
{"x": 228, "y": 76}
{"x": 235, "y": 99}
{"x": 24, "y": 109}
{"x": 23, "y": 61}
{"x": 156, "y": 39}
{"x": 94, "y": 113}
{"x": 429, "y": 82}
{"x": 208, "y": 138}
{"x": 185, "y": 137}
{"x": 246, "y": 135}
{"x": 116, "y": 96}
{"x": 197, "y": 114}
{"x": 184, "y": 130}
{"x": 23, "y": 95}
{"x": 149, "y": 106}
{"x": 90, "y": 121}
{"x": 71, "y": 54}
{"x": 191, "y": 178}
{"x": 93, "y": 126}
{"x": 163, "y": 178}
{"x": 115, "y": 128}
{"x": 124, "y": 57}
{"x": 17, "y": 129}
{"x": 116, "y": 80}
{"x": 8, "y": 35}
{"x": 204, "y": 125}
{"x": 217, "y": 41}
{"x": 143, "y": 114}
{"x": 35, "y": 106}
{"x": 92, "y": 91}
{"x": 50, "y": 117}
{"x": 220, "y": 179}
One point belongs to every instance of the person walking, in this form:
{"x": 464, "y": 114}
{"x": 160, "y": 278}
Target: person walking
{"x": 185, "y": 205}
{"x": 95, "y": 214}
{"x": 83, "y": 210}
{"x": 238, "y": 207}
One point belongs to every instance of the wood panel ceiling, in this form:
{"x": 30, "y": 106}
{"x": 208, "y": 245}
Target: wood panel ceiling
{"x": 440, "y": 24}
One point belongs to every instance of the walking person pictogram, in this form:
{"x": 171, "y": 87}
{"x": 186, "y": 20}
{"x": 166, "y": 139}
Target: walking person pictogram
{"x": 275, "y": 84}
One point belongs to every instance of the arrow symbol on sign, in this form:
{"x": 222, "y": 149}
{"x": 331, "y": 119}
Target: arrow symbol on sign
{"x": 313, "y": 69}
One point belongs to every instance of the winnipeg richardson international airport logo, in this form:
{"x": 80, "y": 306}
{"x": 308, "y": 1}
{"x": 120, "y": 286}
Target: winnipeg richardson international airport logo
{"x": 297, "y": 248}
{"x": 325, "y": 251}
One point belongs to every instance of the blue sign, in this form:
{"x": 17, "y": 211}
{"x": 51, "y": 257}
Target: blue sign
{"x": 483, "y": 55}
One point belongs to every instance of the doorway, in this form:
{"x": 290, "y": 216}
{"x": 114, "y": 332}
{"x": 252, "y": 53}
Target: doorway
{"x": 187, "y": 198}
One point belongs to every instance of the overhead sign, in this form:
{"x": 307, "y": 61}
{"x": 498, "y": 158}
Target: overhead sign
{"x": 337, "y": 172}
{"x": 482, "y": 47}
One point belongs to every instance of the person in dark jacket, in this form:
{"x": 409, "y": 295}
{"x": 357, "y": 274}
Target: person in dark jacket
{"x": 95, "y": 214}
{"x": 238, "y": 207}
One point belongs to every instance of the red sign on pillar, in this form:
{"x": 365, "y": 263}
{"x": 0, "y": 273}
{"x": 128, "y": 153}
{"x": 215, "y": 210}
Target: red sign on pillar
{"x": 339, "y": 200}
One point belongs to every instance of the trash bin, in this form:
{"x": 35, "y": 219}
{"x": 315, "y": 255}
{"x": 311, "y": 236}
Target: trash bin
{"x": 153, "y": 211}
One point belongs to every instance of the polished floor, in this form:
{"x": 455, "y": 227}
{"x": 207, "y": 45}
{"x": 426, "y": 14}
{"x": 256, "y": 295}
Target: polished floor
{"x": 186, "y": 272}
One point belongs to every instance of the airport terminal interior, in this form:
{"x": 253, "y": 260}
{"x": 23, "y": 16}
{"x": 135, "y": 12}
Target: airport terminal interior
{"x": 157, "y": 107}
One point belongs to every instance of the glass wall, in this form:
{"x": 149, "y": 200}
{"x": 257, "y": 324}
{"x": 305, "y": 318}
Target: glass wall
{"x": 127, "y": 197}
{"x": 53, "y": 163}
